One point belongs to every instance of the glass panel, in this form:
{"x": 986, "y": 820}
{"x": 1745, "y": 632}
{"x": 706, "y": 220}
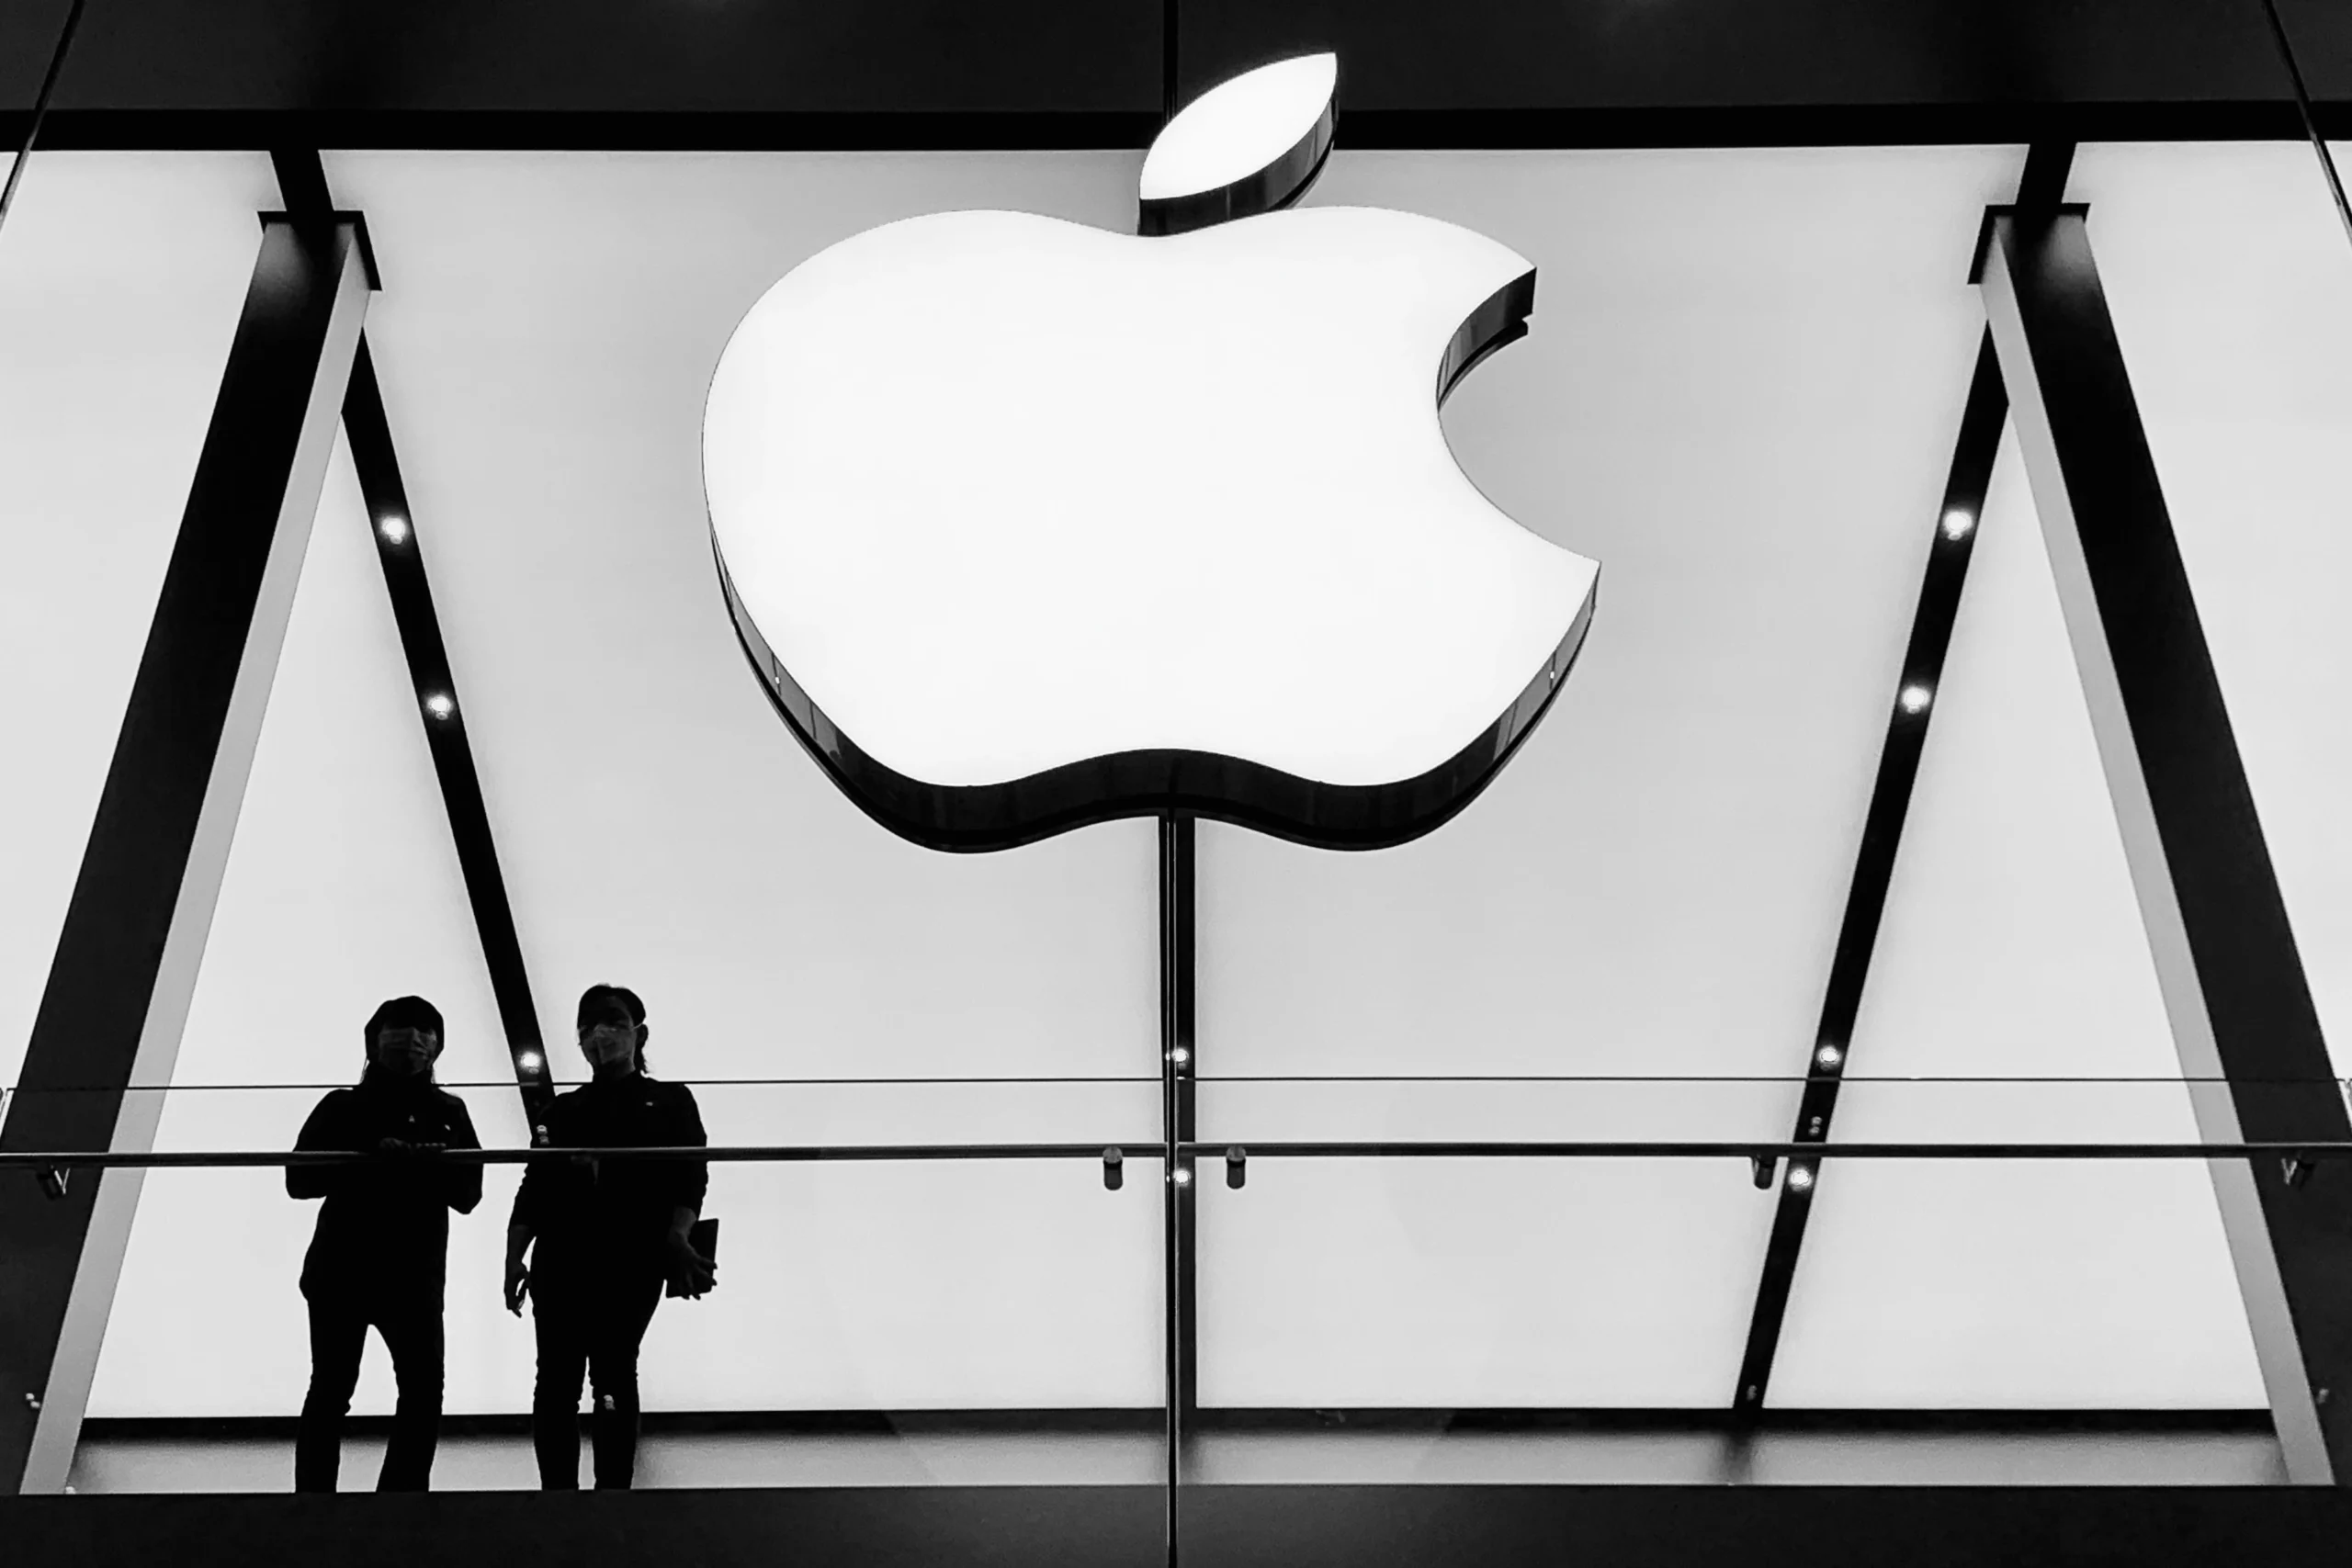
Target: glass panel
{"x": 119, "y": 288}
{"x": 2229, "y": 275}
{"x": 966, "y": 1322}
{"x": 1390, "y": 1318}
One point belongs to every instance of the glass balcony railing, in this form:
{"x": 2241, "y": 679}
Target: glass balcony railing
{"x": 1376, "y": 1279}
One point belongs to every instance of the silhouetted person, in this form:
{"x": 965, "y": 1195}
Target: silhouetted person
{"x": 381, "y": 1250}
{"x": 609, "y": 1234}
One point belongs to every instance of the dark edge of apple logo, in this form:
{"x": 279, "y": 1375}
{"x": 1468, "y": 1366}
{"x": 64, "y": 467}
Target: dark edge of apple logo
{"x": 1279, "y": 184}
{"x": 972, "y": 819}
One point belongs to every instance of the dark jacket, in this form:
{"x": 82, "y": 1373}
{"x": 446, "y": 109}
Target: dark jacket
{"x": 385, "y": 1227}
{"x": 611, "y": 1215}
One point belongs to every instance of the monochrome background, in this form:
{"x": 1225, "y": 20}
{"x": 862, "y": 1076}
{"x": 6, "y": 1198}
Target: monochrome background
{"x": 1740, "y": 394}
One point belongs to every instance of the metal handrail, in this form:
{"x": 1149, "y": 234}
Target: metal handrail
{"x": 1679, "y": 1148}
{"x": 2341, "y": 1083}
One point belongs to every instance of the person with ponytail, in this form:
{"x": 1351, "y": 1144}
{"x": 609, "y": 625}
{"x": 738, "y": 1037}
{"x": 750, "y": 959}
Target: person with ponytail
{"x": 595, "y": 1238}
{"x": 379, "y": 1257}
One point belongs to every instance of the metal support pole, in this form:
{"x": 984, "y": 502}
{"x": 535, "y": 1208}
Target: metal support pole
{"x": 124, "y": 969}
{"x": 1177, "y": 1069}
{"x": 2225, "y": 957}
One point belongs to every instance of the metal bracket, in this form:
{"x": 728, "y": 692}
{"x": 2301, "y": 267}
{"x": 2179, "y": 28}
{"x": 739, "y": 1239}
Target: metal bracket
{"x": 1237, "y": 1166}
{"x": 2297, "y": 1171}
{"x": 1764, "y": 1169}
{"x": 1114, "y": 1169}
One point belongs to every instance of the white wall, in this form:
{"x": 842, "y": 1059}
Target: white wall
{"x": 2230, "y": 277}
{"x": 1740, "y": 394}
{"x": 120, "y": 280}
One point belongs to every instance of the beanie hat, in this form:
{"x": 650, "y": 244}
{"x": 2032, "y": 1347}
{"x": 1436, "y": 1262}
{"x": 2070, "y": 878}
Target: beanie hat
{"x": 404, "y": 1012}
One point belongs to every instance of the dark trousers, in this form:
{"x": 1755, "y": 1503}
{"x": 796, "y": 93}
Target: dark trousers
{"x": 589, "y": 1326}
{"x": 411, "y": 1331}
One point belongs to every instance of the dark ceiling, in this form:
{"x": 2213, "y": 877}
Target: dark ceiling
{"x": 1045, "y": 73}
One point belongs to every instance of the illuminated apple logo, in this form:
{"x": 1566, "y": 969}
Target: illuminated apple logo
{"x": 1024, "y": 525}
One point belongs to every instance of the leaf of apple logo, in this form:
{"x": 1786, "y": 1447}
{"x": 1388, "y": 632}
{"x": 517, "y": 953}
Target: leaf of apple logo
{"x": 1025, "y": 525}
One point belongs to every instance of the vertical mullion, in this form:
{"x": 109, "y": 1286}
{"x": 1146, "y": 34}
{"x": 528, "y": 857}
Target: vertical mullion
{"x": 1179, "y": 1211}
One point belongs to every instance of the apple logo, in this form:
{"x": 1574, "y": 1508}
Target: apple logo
{"x": 1024, "y": 525}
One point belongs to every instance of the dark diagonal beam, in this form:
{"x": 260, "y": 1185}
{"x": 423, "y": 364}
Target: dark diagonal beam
{"x": 1981, "y": 422}
{"x": 303, "y": 179}
{"x": 2226, "y": 961}
{"x": 116, "y": 999}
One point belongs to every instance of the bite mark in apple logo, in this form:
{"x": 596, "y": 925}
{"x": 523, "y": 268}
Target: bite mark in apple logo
{"x": 1025, "y": 525}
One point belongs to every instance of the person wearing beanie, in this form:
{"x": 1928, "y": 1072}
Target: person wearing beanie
{"x": 380, "y": 1254}
{"x": 605, "y": 1235}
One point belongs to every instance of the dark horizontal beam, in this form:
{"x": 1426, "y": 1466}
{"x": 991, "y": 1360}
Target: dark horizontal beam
{"x": 2302, "y": 1153}
{"x": 203, "y": 130}
{"x": 1670, "y": 126}
{"x": 1351, "y": 1420}
{"x": 597, "y": 75}
{"x": 1246, "y": 1525}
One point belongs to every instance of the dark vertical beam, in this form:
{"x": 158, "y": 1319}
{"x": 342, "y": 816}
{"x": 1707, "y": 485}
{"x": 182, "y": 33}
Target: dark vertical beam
{"x": 1170, "y": 36}
{"x": 302, "y": 178}
{"x": 2225, "y": 957}
{"x": 1177, "y": 1070}
{"x": 1981, "y": 421}
{"x": 124, "y": 969}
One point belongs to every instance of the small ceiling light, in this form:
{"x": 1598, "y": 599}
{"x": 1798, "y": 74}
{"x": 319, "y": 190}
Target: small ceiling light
{"x": 439, "y": 705}
{"x": 1180, "y": 1055}
{"x": 1915, "y": 699}
{"x": 1183, "y": 1176}
{"x": 1957, "y": 523}
{"x": 1829, "y": 1056}
{"x": 394, "y": 529}
{"x": 1800, "y": 1178}
{"x": 528, "y": 1060}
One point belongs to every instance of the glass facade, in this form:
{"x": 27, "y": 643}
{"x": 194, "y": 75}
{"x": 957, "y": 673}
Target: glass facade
{"x": 1740, "y": 394}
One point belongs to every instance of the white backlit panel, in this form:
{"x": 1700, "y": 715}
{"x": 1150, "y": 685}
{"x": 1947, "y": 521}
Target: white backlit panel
{"x": 2012, "y": 948}
{"x": 120, "y": 280}
{"x": 342, "y": 890}
{"x": 1741, "y": 389}
{"x": 660, "y": 828}
{"x": 1739, "y": 393}
{"x": 2230, "y": 279}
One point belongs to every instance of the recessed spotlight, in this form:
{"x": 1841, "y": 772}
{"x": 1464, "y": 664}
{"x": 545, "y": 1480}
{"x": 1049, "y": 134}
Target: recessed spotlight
{"x": 1183, "y": 1176}
{"x": 1915, "y": 699}
{"x": 1180, "y": 1055}
{"x": 528, "y": 1060}
{"x": 1800, "y": 1178}
{"x": 1829, "y": 1056}
{"x": 394, "y": 529}
{"x": 1957, "y": 523}
{"x": 439, "y": 705}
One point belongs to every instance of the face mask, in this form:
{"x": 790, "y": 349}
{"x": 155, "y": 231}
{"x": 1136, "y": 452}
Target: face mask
{"x": 405, "y": 1054}
{"x": 609, "y": 1048}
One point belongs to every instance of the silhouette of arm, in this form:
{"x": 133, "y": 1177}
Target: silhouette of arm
{"x": 461, "y": 1179}
{"x": 329, "y": 1127}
